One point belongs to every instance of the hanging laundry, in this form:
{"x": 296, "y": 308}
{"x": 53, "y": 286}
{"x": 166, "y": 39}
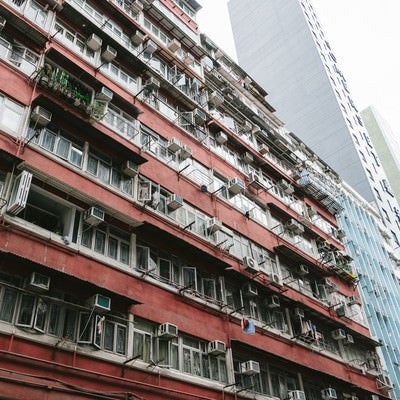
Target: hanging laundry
{"x": 248, "y": 326}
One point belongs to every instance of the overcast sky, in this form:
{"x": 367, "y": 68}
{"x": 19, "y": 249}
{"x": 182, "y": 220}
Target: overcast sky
{"x": 364, "y": 36}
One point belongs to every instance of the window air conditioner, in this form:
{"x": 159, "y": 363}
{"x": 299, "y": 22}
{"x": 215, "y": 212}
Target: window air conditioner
{"x": 38, "y": 282}
{"x": 20, "y": 192}
{"x": 276, "y": 280}
{"x": 199, "y": 116}
{"x": 167, "y": 330}
{"x": 349, "y": 339}
{"x": 109, "y": 54}
{"x": 303, "y": 270}
{"x": 383, "y": 382}
{"x": 174, "y": 202}
{"x": 149, "y": 47}
{"x": 216, "y": 348}
{"x": 236, "y": 185}
{"x": 285, "y": 186}
{"x": 130, "y": 168}
{"x": 93, "y": 216}
{"x": 247, "y": 157}
{"x": 188, "y": 59}
{"x": 3, "y": 22}
{"x": 41, "y": 116}
{"x": 255, "y": 181}
{"x": 296, "y": 395}
{"x": 339, "y": 334}
{"x": 312, "y": 211}
{"x": 294, "y": 226}
{"x": 250, "y": 264}
{"x": 136, "y": 6}
{"x": 250, "y": 367}
{"x": 353, "y": 300}
{"x": 250, "y": 290}
{"x": 104, "y": 94}
{"x": 174, "y": 45}
{"x": 340, "y": 234}
{"x": 273, "y": 302}
{"x": 213, "y": 225}
{"x": 99, "y": 302}
{"x": 263, "y": 149}
{"x": 152, "y": 84}
{"x": 299, "y": 312}
{"x": 216, "y": 98}
{"x": 221, "y": 137}
{"x": 185, "y": 152}
{"x": 341, "y": 311}
{"x": 137, "y": 38}
{"x": 247, "y": 126}
{"x": 328, "y": 394}
{"x": 174, "y": 145}
{"x": 94, "y": 42}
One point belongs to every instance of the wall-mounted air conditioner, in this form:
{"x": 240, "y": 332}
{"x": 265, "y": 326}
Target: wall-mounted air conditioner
{"x": 341, "y": 311}
{"x": 353, "y": 300}
{"x": 167, "y": 330}
{"x": 340, "y": 234}
{"x": 263, "y": 149}
{"x": 3, "y": 22}
{"x": 328, "y": 394}
{"x": 247, "y": 157}
{"x": 213, "y": 225}
{"x": 152, "y": 84}
{"x": 174, "y": 145}
{"x": 294, "y": 226}
{"x": 109, "y": 54}
{"x": 221, "y": 137}
{"x": 188, "y": 59}
{"x": 236, "y": 185}
{"x": 20, "y": 192}
{"x": 149, "y": 47}
{"x": 99, "y": 302}
{"x": 137, "y": 38}
{"x": 216, "y": 98}
{"x": 339, "y": 334}
{"x": 93, "y": 216}
{"x": 41, "y": 116}
{"x": 136, "y": 6}
{"x": 303, "y": 270}
{"x": 199, "y": 116}
{"x": 349, "y": 339}
{"x": 383, "y": 382}
{"x": 296, "y": 395}
{"x": 130, "y": 168}
{"x": 185, "y": 152}
{"x": 298, "y": 312}
{"x": 276, "y": 280}
{"x": 250, "y": 367}
{"x": 255, "y": 181}
{"x": 174, "y": 45}
{"x": 285, "y": 186}
{"x": 105, "y": 94}
{"x": 250, "y": 290}
{"x": 312, "y": 211}
{"x": 246, "y": 127}
{"x": 174, "y": 202}
{"x": 250, "y": 264}
{"x": 94, "y": 42}
{"x": 38, "y": 282}
{"x": 216, "y": 347}
{"x": 273, "y": 301}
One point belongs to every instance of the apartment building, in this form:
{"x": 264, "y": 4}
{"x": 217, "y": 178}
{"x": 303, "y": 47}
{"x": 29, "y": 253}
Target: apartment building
{"x": 162, "y": 235}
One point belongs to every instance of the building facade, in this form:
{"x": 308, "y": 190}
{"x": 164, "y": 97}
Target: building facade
{"x": 297, "y": 65}
{"x": 161, "y": 234}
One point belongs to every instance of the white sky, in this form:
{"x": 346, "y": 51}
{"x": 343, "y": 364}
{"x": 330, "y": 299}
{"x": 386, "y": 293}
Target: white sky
{"x": 364, "y": 36}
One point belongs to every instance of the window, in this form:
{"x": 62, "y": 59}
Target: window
{"x": 37, "y": 14}
{"x": 11, "y": 115}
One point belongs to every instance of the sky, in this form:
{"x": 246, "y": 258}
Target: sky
{"x": 364, "y": 36}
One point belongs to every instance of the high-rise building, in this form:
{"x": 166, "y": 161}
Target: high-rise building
{"x": 162, "y": 235}
{"x": 282, "y": 44}
{"x": 386, "y": 145}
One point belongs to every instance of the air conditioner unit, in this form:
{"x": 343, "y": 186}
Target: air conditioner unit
{"x": 247, "y": 157}
{"x": 246, "y": 127}
{"x": 130, "y": 168}
{"x": 174, "y": 45}
{"x": 340, "y": 234}
{"x": 167, "y": 330}
{"x": 273, "y": 301}
{"x": 353, "y": 300}
{"x": 312, "y": 211}
{"x": 263, "y": 149}
{"x": 94, "y": 42}
{"x": 250, "y": 290}
{"x": 250, "y": 264}
{"x": 383, "y": 382}
{"x": 152, "y": 84}
{"x": 216, "y": 98}
{"x": 93, "y": 216}
{"x": 339, "y": 334}
{"x": 3, "y": 22}
{"x": 105, "y": 94}
{"x": 196, "y": 84}
{"x": 109, "y": 54}
{"x": 294, "y": 226}
{"x": 341, "y": 311}
{"x": 149, "y": 47}
{"x": 185, "y": 152}
{"x": 236, "y": 185}
{"x": 38, "y": 282}
{"x": 303, "y": 270}
{"x": 213, "y": 225}
{"x": 136, "y": 6}
{"x": 174, "y": 202}
{"x": 99, "y": 302}
{"x": 41, "y": 116}
{"x": 174, "y": 145}
{"x": 216, "y": 348}
{"x": 328, "y": 394}
{"x": 299, "y": 312}
{"x": 296, "y": 395}
{"x": 349, "y": 339}
{"x": 275, "y": 280}
{"x": 221, "y": 137}
{"x": 285, "y": 186}
{"x": 188, "y": 59}
{"x": 250, "y": 367}
{"x": 199, "y": 116}
{"x": 255, "y": 181}
{"x": 137, "y": 38}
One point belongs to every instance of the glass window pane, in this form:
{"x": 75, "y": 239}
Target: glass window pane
{"x": 124, "y": 253}
{"x": 41, "y": 313}
{"x": 92, "y": 165}
{"x": 26, "y": 310}
{"x": 76, "y": 156}
{"x": 63, "y": 146}
{"x": 85, "y": 328}
{"x": 70, "y": 324}
{"x": 121, "y": 340}
{"x": 186, "y": 361}
{"x": 7, "y": 306}
{"x": 49, "y": 140}
{"x": 87, "y": 238}
{"x": 112, "y": 248}
{"x": 109, "y": 336}
{"x": 54, "y": 320}
{"x": 196, "y": 364}
{"x": 99, "y": 242}
{"x": 104, "y": 172}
